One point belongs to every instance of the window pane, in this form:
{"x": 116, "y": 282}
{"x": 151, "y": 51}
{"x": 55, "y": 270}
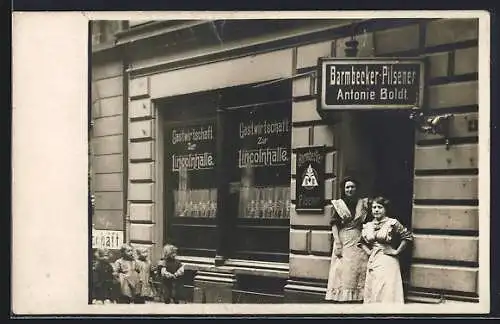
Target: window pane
{"x": 261, "y": 156}
{"x": 191, "y": 162}
{"x": 191, "y": 187}
{"x": 260, "y": 176}
{"x": 189, "y": 172}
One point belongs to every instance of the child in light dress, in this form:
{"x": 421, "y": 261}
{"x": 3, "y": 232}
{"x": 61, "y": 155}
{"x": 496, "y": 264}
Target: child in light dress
{"x": 127, "y": 272}
{"x": 146, "y": 292}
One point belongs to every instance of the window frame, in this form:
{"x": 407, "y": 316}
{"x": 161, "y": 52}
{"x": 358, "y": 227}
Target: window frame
{"x": 249, "y": 233}
{"x": 223, "y": 104}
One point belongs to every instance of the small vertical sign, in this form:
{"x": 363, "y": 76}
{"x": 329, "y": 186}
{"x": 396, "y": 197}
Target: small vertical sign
{"x": 310, "y": 182}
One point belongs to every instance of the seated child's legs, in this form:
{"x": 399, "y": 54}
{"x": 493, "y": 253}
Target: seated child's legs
{"x": 167, "y": 292}
{"x": 177, "y": 291}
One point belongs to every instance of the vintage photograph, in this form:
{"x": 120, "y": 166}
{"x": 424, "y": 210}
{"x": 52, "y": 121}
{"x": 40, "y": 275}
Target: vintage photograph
{"x": 284, "y": 161}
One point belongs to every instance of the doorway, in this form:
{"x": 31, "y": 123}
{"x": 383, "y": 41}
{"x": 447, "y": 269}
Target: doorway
{"x": 389, "y": 139}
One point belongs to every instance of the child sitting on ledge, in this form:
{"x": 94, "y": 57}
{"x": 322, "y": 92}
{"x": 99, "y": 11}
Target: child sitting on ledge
{"x": 168, "y": 274}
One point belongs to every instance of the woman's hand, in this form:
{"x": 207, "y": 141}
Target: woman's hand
{"x": 391, "y": 251}
{"x": 337, "y": 250}
{"x": 365, "y": 248}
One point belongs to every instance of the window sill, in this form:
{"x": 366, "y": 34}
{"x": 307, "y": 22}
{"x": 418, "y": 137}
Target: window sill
{"x": 237, "y": 267}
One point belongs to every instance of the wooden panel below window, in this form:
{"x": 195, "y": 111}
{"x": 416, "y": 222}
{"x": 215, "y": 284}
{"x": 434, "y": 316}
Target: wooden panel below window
{"x": 254, "y": 238}
{"x": 194, "y": 236}
{"x": 257, "y": 289}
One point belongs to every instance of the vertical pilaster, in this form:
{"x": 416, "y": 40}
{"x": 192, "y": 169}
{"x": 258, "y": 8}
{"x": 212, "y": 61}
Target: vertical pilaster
{"x": 142, "y": 215}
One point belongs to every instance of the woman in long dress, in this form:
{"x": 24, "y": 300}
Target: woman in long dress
{"x": 347, "y": 273}
{"x": 379, "y": 238}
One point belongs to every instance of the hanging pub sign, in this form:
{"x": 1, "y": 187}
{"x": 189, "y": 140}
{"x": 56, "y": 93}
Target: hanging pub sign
{"x": 371, "y": 83}
{"x": 310, "y": 179}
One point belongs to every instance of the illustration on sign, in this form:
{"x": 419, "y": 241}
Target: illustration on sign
{"x": 309, "y": 179}
{"x": 310, "y": 185}
{"x": 370, "y": 83}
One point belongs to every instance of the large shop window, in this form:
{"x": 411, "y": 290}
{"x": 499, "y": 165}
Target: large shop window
{"x": 260, "y": 181}
{"x": 255, "y": 137}
{"x": 190, "y": 175}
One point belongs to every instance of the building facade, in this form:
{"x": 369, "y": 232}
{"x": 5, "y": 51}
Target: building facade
{"x": 196, "y": 127}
